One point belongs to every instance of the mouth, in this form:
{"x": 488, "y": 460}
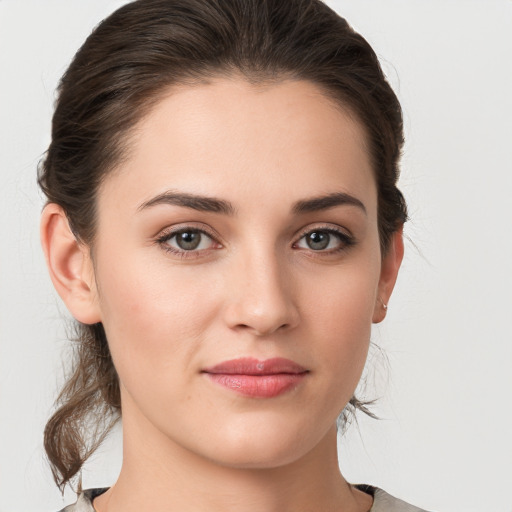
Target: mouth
{"x": 257, "y": 379}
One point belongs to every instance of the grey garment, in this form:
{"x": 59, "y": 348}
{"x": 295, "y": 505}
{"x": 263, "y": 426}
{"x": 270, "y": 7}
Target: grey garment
{"x": 382, "y": 501}
{"x": 84, "y": 501}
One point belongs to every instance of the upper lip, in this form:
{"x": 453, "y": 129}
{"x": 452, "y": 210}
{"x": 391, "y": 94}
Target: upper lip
{"x": 252, "y": 366}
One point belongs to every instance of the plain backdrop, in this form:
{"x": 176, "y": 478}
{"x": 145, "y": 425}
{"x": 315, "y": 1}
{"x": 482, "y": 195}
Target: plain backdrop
{"x": 445, "y": 371}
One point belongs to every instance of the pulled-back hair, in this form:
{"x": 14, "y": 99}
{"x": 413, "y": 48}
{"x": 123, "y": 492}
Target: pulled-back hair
{"x": 125, "y": 66}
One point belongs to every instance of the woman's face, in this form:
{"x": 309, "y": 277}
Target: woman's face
{"x": 238, "y": 270}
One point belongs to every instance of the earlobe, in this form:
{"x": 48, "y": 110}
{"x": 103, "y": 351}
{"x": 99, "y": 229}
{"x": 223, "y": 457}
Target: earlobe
{"x": 389, "y": 272}
{"x": 69, "y": 265}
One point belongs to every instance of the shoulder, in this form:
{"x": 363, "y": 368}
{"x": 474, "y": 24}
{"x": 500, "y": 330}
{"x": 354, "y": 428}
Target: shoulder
{"x": 84, "y": 501}
{"x": 384, "y": 502}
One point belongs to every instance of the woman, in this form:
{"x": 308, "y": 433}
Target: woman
{"x": 223, "y": 223}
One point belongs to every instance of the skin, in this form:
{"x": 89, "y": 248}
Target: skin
{"x": 254, "y": 287}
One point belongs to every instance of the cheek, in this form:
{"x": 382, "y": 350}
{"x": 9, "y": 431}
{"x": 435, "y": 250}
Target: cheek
{"x": 154, "y": 317}
{"x": 340, "y": 312}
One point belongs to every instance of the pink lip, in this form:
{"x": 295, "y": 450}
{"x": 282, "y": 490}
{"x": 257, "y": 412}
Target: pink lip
{"x": 261, "y": 379}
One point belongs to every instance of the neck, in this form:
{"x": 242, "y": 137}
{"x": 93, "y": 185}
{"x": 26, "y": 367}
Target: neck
{"x": 160, "y": 476}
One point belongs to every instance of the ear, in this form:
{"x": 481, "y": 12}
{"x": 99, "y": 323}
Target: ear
{"x": 70, "y": 265}
{"x": 391, "y": 262}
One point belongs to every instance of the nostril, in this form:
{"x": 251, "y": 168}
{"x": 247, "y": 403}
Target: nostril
{"x": 263, "y": 307}
{"x": 262, "y": 330}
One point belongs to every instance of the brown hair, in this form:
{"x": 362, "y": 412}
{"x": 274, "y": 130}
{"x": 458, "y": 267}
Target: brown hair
{"x": 122, "y": 69}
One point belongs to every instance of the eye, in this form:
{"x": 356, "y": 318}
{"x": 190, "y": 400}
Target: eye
{"x": 324, "y": 239}
{"x": 186, "y": 240}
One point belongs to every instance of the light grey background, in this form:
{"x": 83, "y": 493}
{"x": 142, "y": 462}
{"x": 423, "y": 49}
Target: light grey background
{"x": 445, "y": 438}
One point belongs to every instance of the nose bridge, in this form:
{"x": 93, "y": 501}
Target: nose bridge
{"x": 261, "y": 296}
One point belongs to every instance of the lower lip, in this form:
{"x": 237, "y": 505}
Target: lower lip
{"x": 259, "y": 386}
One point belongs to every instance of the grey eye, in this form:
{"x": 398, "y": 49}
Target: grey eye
{"x": 324, "y": 239}
{"x": 318, "y": 240}
{"x": 189, "y": 240}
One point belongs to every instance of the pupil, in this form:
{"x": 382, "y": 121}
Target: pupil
{"x": 188, "y": 240}
{"x": 318, "y": 240}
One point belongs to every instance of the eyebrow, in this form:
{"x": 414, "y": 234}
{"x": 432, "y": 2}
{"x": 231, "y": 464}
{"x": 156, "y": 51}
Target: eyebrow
{"x": 215, "y": 205}
{"x": 325, "y": 202}
{"x": 196, "y": 202}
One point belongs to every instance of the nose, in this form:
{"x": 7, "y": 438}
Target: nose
{"x": 261, "y": 297}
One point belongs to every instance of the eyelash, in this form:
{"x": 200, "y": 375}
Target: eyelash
{"x": 345, "y": 241}
{"x": 169, "y": 235}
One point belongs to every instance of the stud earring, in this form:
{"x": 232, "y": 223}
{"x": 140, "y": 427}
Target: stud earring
{"x": 384, "y": 305}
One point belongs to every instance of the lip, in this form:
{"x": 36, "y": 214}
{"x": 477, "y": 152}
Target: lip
{"x": 255, "y": 378}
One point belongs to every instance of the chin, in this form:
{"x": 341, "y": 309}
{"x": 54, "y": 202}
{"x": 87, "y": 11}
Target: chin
{"x": 262, "y": 448}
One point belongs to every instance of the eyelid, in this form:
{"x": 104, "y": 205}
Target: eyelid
{"x": 168, "y": 233}
{"x": 184, "y": 226}
{"x": 345, "y": 236}
{"x": 324, "y": 227}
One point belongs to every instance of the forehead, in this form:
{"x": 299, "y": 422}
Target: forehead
{"x": 230, "y": 137}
